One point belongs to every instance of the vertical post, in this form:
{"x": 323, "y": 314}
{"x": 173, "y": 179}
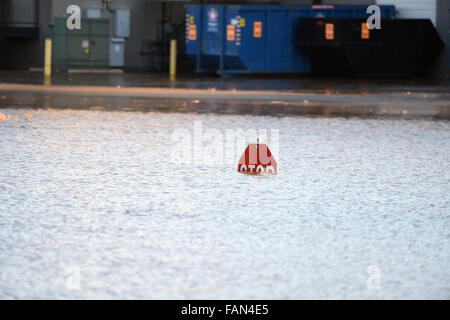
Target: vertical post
{"x": 223, "y": 39}
{"x": 265, "y": 36}
{"x": 48, "y": 58}
{"x": 200, "y": 37}
{"x": 163, "y": 32}
{"x": 173, "y": 59}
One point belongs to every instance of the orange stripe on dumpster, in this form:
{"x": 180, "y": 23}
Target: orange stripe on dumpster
{"x": 257, "y": 159}
{"x": 329, "y": 31}
{"x": 365, "y": 32}
{"x": 257, "y": 29}
{"x": 192, "y": 32}
{"x": 230, "y": 32}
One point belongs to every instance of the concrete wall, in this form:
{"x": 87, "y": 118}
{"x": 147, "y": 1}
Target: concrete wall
{"x": 442, "y": 66}
{"x": 146, "y": 16}
{"x": 438, "y": 12}
{"x": 414, "y": 9}
{"x": 145, "y": 24}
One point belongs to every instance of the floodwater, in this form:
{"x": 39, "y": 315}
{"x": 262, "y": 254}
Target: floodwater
{"x": 94, "y": 205}
{"x": 292, "y": 83}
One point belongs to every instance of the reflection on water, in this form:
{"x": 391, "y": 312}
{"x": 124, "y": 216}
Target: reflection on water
{"x": 437, "y": 108}
{"x": 294, "y": 82}
{"x": 93, "y": 196}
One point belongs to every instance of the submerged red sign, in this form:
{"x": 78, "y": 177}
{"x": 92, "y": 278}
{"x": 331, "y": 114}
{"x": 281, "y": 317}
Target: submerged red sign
{"x": 257, "y": 159}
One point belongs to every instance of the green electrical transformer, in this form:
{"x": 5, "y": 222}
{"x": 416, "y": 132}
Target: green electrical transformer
{"x": 87, "y": 48}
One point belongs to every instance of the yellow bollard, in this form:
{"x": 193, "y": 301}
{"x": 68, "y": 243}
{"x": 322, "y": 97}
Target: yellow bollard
{"x": 173, "y": 59}
{"x": 48, "y": 58}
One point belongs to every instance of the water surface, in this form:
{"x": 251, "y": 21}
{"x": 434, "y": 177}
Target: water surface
{"x": 96, "y": 193}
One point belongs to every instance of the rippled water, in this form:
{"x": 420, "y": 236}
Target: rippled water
{"x": 94, "y": 196}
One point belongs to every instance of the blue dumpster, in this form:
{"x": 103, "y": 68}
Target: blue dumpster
{"x": 256, "y": 38}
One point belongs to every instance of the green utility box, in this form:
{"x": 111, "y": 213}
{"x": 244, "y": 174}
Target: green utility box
{"x": 87, "y": 48}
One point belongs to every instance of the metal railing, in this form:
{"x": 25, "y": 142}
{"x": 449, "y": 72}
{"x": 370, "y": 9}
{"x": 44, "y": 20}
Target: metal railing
{"x": 19, "y": 13}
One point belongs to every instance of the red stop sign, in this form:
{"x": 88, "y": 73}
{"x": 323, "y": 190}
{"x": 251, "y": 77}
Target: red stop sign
{"x": 257, "y": 159}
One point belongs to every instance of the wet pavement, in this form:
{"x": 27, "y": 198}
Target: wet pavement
{"x": 294, "y": 83}
{"x": 288, "y": 95}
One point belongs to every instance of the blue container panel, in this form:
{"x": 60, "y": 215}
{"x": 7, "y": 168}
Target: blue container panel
{"x": 326, "y": 13}
{"x": 276, "y": 51}
{"x": 278, "y": 46}
{"x": 252, "y": 50}
{"x": 205, "y": 50}
{"x": 192, "y": 17}
{"x": 212, "y": 32}
{"x": 299, "y": 59}
{"x": 361, "y": 12}
{"x": 231, "y": 51}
